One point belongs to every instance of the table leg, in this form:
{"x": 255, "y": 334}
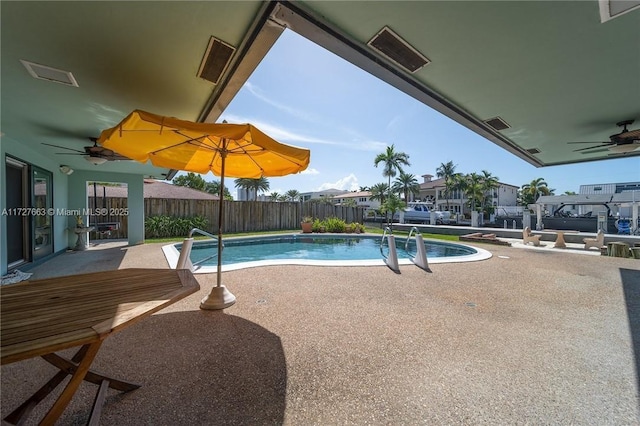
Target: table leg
{"x": 92, "y": 376}
{"x": 560, "y": 243}
{"x": 65, "y": 397}
{"x": 22, "y": 412}
{"x": 96, "y": 411}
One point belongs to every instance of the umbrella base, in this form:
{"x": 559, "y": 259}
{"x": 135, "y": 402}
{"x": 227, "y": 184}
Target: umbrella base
{"x": 219, "y": 298}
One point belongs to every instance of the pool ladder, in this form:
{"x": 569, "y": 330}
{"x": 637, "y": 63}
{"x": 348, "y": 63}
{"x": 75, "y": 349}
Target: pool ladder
{"x": 391, "y": 259}
{"x": 420, "y": 259}
{"x": 184, "y": 261}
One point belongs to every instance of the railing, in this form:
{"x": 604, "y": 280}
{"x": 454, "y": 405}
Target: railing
{"x": 406, "y": 244}
{"x": 206, "y": 234}
{"x": 201, "y": 232}
{"x": 420, "y": 257}
{"x": 392, "y": 258}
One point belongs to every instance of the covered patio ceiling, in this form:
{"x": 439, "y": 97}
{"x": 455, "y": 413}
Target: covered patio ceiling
{"x": 553, "y": 72}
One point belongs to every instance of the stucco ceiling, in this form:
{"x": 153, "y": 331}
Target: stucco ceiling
{"x": 551, "y": 70}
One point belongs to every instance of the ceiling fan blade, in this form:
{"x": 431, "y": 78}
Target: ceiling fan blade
{"x": 631, "y": 134}
{"x": 594, "y": 151}
{"x": 63, "y": 147}
{"x": 70, "y": 153}
{"x": 118, "y": 157}
{"x": 591, "y": 147}
{"x": 605, "y": 142}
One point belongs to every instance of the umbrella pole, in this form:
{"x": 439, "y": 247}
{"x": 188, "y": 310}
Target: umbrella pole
{"x": 220, "y": 297}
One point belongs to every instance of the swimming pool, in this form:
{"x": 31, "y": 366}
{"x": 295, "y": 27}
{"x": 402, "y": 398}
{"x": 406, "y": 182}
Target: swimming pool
{"x": 317, "y": 249}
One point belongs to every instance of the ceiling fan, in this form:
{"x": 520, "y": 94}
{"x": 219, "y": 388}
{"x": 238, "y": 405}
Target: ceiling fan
{"x": 621, "y": 143}
{"x": 95, "y": 154}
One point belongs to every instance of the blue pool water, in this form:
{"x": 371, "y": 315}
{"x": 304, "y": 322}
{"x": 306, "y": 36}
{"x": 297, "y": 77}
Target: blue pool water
{"x": 316, "y": 247}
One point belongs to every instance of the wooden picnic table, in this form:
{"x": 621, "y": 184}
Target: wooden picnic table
{"x": 41, "y": 317}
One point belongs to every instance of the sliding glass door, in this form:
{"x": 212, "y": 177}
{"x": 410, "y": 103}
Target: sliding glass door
{"x": 42, "y": 201}
{"x": 17, "y": 184}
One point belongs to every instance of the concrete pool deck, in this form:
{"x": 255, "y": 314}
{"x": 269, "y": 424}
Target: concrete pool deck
{"x": 530, "y": 336}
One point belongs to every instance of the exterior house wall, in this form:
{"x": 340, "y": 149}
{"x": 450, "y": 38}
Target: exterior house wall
{"x": 362, "y": 199}
{"x": 22, "y": 152}
{"x": 69, "y": 193}
{"x": 316, "y": 195}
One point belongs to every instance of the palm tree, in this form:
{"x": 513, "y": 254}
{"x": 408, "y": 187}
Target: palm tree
{"x": 349, "y": 202}
{"x": 406, "y": 183}
{"x": 363, "y": 188}
{"x": 379, "y": 192}
{"x": 213, "y": 187}
{"x": 489, "y": 183}
{"x": 473, "y": 189}
{"x": 252, "y": 186}
{"x": 393, "y": 162}
{"x": 392, "y": 204}
{"x": 458, "y": 183}
{"x": 531, "y": 191}
{"x": 275, "y": 196}
{"x": 292, "y": 195}
{"x": 447, "y": 171}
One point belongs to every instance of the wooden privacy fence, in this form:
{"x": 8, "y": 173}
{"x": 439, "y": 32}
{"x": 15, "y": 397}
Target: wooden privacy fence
{"x": 239, "y": 216}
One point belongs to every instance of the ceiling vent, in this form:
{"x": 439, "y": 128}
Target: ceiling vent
{"x": 43, "y": 72}
{"x": 392, "y": 46}
{"x": 533, "y": 151}
{"x": 216, "y": 60}
{"x": 497, "y": 123}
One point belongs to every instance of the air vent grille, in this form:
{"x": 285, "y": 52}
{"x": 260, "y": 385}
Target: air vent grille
{"x": 43, "y": 72}
{"x": 216, "y": 60}
{"x": 533, "y": 151}
{"x": 392, "y": 46}
{"x": 497, "y": 123}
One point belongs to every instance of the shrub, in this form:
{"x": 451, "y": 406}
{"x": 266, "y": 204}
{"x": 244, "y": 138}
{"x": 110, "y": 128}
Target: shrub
{"x": 169, "y": 226}
{"x": 333, "y": 224}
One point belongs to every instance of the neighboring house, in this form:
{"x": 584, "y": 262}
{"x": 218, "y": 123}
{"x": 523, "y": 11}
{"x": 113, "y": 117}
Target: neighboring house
{"x": 327, "y": 193}
{"x": 434, "y": 191}
{"x": 362, "y": 199}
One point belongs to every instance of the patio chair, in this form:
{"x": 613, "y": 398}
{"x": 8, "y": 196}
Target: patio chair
{"x": 596, "y": 242}
{"x": 528, "y": 237}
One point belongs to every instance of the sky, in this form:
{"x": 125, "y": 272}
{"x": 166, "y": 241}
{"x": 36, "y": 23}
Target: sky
{"x": 304, "y": 95}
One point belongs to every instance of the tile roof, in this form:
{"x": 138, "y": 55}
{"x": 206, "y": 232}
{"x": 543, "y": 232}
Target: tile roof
{"x": 154, "y": 189}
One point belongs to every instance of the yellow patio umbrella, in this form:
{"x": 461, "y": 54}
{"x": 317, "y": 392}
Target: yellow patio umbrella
{"x": 233, "y": 150}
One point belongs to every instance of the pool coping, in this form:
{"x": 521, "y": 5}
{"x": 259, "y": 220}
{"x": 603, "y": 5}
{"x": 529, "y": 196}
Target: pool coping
{"x": 171, "y": 255}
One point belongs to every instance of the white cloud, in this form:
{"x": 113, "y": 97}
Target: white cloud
{"x": 277, "y": 132}
{"x": 310, "y": 171}
{"x": 255, "y": 91}
{"x": 284, "y": 135}
{"x": 348, "y": 183}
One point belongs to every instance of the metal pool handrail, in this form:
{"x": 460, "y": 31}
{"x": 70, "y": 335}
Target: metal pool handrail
{"x": 392, "y": 258}
{"x": 201, "y": 232}
{"x": 420, "y": 258}
{"x": 406, "y": 243}
{"x": 206, "y": 234}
